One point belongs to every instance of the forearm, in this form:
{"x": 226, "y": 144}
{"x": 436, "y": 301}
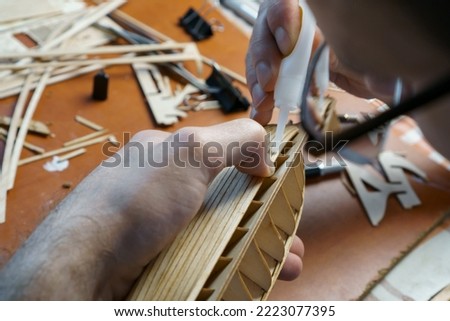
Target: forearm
{"x": 70, "y": 255}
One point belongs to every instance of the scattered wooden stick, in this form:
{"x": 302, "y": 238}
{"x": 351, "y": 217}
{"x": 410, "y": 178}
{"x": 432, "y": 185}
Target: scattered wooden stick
{"x": 149, "y": 32}
{"x": 33, "y": 148}
{"x": 67, "y": 73}
{"x": 73, "y": 154}
{"x": 155, "y": 59}
{"x": 62, "y": 150}
{"x": 9, "y": 146}
{"x": 84, "y": 138}
{"x": 35, "y": 126}
{"x": 88, "y": 123}
{"x": 27, "y": 145}
{"x": 24, "y": 128}
{"x": 97, "y": 13}
{"x": 113, "y": 140}
{"x": 97, "y": 51}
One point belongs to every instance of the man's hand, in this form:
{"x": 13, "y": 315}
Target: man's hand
{"x": 274, "y": 36}
{"x": 96, "y": 243}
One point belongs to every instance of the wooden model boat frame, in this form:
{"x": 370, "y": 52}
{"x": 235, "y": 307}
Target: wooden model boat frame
{"x": 236, "y": 245}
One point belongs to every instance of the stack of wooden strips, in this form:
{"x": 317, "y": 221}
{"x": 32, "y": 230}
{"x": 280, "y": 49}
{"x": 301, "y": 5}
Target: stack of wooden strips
{"x": 236, "y": 245}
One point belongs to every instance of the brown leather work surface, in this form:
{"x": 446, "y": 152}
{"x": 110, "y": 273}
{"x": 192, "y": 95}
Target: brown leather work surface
{"x": 343, "y": 251}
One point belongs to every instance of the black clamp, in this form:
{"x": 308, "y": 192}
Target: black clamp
{"x": 195, "y": 25}
{"x": 229, "y": 96}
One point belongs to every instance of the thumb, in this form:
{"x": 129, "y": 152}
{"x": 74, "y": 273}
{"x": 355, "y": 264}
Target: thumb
{"x": 242, "y": 143}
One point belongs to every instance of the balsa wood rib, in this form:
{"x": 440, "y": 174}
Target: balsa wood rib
{"x": 235, "y": 246}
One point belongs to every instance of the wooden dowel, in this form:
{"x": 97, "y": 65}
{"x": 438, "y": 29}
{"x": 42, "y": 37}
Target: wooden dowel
{"x": 85, "y": 137}
{"x": 88, "y": 123}
{"x": 62, "y": 150}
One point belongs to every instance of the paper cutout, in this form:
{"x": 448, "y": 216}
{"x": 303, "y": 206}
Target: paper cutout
{"x": 375, "y": 201}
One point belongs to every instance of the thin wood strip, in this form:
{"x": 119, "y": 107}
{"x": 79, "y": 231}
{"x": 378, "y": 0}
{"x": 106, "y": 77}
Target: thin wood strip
{"x": 113, "y": 140}
{"x": 149, "y": 32}
{"x": 88, "y": 123}
{"x": 155, "y": 59}
{"x": 86, "y": 137}
{"x": 68, "y": 21}
{"x": 35, "y": 126}
{"x": 199, "y": 238}
{"x": 71, "y": 155}
{"x": 14, "y": 87}
{"x": 224, "y": 215}
{"x": 33, "y": 148}
{"x": 99, "y": 12}
{"x": 62, "y": 150}
{"x": 97, "y": 51}
{"x": 9, "y": 146}
{"x": 164, "y": 282}
{"x": 171, "y": 254}
{"x": 157, "y": 267}
{"x": 11, "y": 134}
{"x": 24, "y": 126}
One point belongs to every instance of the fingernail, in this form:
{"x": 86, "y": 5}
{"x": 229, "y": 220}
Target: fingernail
{"x": 258, "y": 95}
{"x": 283, "y": 40}
{"x": 263, "y": 73}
